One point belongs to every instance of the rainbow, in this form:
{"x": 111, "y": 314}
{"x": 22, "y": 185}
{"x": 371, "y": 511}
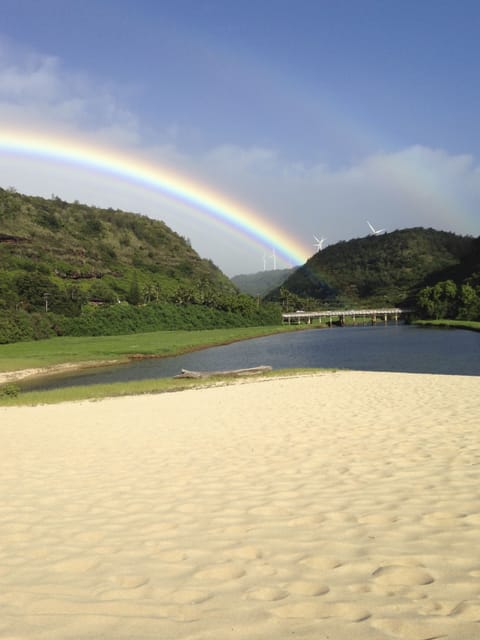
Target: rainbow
{"x": 198, "y": 197}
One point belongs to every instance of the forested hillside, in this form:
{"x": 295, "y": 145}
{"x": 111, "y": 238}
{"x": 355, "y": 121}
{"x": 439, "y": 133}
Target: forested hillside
{"x": 62, "y": 264}
{"x": 387, "y": 269}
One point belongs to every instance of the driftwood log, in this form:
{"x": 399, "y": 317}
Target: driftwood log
{"x": 221, "y": 374}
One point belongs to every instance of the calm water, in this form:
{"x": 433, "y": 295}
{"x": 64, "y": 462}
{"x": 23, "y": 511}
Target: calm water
{"x": 379, "y": 348}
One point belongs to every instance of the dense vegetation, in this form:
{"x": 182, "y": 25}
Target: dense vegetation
{"x": 457, "y": 296}
{"x": 377, "y": 270}
{"x": 72, "y": 269}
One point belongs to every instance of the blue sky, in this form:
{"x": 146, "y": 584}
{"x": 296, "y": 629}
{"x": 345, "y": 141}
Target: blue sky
{"x": 319, "y": 115}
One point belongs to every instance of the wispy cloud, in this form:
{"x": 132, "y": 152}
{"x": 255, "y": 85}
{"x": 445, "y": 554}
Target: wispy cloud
{"x": 36, "y": 90}
{"x": 414, "y": 186}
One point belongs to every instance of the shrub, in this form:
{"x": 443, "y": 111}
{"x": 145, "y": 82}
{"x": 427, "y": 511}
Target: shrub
{"x": 9, "y": 390}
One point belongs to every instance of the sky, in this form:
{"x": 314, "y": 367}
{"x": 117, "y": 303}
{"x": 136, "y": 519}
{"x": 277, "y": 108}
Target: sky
{"x": 309, "y": 117}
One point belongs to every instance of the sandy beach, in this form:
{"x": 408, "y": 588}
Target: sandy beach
{"x": 332, "y": 506}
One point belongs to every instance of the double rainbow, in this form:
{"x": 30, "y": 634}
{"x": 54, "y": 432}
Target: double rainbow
{"x": 199, "y": 198}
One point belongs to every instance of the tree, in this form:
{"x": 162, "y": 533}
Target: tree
{"x": 34, "y": 288}
{"x": 425, "y": 302}
{"x": 101, "y": 291}
{"x": 134, "y": 296}
{"x": 468, "y": 303}
{"x": 444, "y": 296}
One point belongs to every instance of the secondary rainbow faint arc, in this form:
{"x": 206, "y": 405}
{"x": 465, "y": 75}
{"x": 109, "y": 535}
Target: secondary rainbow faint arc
{"x": 199, "y": 197}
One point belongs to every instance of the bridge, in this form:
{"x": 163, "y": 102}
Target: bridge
{"x": 338, "y": 316}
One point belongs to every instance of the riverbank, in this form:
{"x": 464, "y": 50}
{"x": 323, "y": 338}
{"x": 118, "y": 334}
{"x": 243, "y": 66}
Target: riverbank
{"x": 469, "y": 325}
{"x": 330, "y": 505}
{"x": 42, "y": 357}
{"x": 21, "y": 374}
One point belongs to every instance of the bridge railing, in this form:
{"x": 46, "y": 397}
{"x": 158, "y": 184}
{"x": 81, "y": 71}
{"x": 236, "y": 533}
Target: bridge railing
{"x": 342, "y": 313}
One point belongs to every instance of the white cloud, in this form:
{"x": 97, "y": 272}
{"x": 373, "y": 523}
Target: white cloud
{"x": 415, "y": 186}
{"x": 36, "y": 90}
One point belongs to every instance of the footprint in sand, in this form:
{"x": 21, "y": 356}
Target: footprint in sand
{"x": 413, "y": 628}
{"x": 473, "y": 518}
{"x": 402, "y": 575}
{"x": 305, "y": 521}
{"x": 190, "y": 596}
{"x": 220, "y": 572}
{"x": 172, "y": 555}
{"x": 181, "y": 613}
{"x": 244, "y": 553}
{"x": 468, "y": 610}
{"x": 324, "y": 563}
{"x": 304, "y": 588}
{"x": 360, "y": 588}
{"x": 267, "y": 594}
{"x": 269, "y": 510}
{"x": 129, "y": 581}
{"x": 442, "y": 518}
{"x": 75, "y": 565}
{"x": 317, "y": 610}
{"x": 377, "y": 518}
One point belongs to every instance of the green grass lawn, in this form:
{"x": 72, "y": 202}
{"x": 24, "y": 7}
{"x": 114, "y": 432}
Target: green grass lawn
{"x": 471, "y": 325}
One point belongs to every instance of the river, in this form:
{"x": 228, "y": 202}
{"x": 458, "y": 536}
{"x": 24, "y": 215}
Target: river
{"x": 371, "y": 348}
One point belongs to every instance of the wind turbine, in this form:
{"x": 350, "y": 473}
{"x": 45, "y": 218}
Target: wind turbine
{"x": 264, "y": 261}
{"x": 375, "y": 232}
{"x": 274, "y": 258}
{"x": 318, "y": 244}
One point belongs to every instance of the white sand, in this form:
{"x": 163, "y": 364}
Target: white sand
{"x": 21, "y": 374}
{"x": 341, "y": 505}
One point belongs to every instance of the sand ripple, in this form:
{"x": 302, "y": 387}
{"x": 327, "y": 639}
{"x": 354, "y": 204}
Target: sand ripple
{"x": 341, "y": 505}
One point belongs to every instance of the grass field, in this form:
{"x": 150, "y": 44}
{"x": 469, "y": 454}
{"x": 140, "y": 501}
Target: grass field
{"x": 471, "y": 325}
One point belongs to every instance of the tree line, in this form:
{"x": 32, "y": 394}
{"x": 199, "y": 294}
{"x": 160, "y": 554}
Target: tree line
{"x": 447, "y": 300}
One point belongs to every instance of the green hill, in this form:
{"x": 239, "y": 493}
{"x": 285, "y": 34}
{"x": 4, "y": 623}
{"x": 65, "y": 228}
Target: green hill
{"x": 387, "y": 269}
{"x": 91, "y": 252}
{"x": 75, "y": 261}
